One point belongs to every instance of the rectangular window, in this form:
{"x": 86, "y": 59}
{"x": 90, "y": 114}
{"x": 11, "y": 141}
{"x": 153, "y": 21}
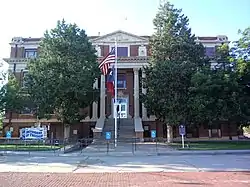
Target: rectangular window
{"x": 122, "y": 51}
{"x": 210, "y": 51}
{"x": 121, "y": 81}
{"x": 27, "y": 110}
{"x": 30, "y": 53}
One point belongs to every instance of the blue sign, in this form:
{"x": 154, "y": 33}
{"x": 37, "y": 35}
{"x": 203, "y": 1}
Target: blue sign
{"x": 182, "y": 130}
{"x": 8, "y": 134}
{"x": 32, "y": 133}
{"x": 108, "y": 135}
{"x": 153, "y": 133}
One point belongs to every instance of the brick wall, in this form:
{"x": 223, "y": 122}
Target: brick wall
{"x": 17, "y": 52}
{"x": 104, "y": 50}
{"x": 134, "y": 50}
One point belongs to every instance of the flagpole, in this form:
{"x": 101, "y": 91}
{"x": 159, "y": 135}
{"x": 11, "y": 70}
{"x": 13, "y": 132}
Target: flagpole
{"x": 115, "y": 92}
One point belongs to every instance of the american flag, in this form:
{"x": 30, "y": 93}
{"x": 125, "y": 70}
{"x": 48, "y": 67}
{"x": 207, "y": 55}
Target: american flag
{"x": 105, "y": 63}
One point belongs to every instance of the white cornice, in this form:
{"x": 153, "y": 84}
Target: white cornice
{"x": 123, "y": 63}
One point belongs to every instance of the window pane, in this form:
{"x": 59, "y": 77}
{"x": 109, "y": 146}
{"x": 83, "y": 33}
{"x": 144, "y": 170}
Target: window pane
{"x": 122, "y": 51}
{"x": 210, "y": 51}
{"x": 123, "y": 107}
{"x": 121, "y": 81}
{"x": 30, "y": 53}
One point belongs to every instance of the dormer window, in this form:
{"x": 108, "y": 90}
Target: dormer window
{"x": 30, "y": 53}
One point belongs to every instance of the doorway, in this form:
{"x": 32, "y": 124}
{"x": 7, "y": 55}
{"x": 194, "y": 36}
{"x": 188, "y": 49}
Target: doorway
{"x": 122, "y": 108}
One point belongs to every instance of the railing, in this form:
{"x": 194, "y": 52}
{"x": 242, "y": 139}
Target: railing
{"x": 43, "y": 146}
{"x": 120, "y": 59}
{"x": 130, "y": 58}
{"x": 126, "y": 146}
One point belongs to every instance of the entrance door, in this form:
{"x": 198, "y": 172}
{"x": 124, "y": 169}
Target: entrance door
{"x": 122, "y": 112}
{"x": 122, "y": 108}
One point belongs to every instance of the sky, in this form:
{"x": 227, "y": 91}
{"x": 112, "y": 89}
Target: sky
{"x": 30, "y": 18}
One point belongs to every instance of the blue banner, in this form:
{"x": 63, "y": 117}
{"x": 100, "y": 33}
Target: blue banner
{"x": 32, "y": 134}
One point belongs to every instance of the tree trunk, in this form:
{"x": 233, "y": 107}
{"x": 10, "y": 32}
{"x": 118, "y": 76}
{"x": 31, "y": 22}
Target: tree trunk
{"x": 9, "y": 123}
{"x": 66, "y": 131}
{"x": 229, "y": 130}
{"x": 169, "y": 133}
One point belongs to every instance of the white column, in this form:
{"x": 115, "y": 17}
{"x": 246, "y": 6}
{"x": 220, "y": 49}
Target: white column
{"x": 102, "y": 97}
{"x": 95, "y": 105}
{"x": 136, "y": 93}
{"x": 144, "y": 91}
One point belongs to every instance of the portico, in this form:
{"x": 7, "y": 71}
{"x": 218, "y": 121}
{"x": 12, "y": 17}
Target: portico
{"x": 123, "y": 99}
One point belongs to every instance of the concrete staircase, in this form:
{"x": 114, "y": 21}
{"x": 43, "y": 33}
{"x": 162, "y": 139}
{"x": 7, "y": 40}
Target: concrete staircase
{"x": 109, "y": 126}
{"x": 125, "y": 135}
{"x": 125, "y": 128}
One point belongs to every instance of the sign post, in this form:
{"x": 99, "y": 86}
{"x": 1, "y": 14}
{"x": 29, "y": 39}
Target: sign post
{"x": 108, "y": 137}
{"x": 182, "y": 132}
{"x": 8, "y": 134}
{"x": 153, "y": 134}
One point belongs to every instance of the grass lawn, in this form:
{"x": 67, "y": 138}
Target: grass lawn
{"x": 22, "y": 147}
{"x": 240, "y": 145}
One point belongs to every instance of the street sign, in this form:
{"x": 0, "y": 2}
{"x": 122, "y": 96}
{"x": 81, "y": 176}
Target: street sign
{"x": 108, "y": 135}
{"x": 8, "y": 134}
{"x": 182, "y": 130}
{"x": 153, "y": 133}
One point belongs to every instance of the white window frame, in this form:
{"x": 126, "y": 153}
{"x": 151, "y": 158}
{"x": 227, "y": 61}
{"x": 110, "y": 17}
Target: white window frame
{"x": 27, "y": 51}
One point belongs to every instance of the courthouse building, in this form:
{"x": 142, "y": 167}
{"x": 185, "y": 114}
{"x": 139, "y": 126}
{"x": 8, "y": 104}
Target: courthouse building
{"x": 133, "y": 54}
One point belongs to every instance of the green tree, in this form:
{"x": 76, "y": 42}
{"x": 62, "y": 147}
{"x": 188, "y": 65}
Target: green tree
{"x": 1, "y": 121}
{"x": 61, "y": 80}
{"x": 241, "y": 49}
{"x": 241, "y": 55}
{"x": 215, "y": 94}
{"x": 11, "y": 98}
{"x": 175, "y": 58}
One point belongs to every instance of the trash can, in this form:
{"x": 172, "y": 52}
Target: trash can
{"x": 56, "y": 142}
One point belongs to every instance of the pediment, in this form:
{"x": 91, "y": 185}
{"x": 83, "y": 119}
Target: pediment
{"x": 119, "y": 36}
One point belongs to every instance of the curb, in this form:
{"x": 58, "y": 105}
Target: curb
{"x": 226, "y": 152}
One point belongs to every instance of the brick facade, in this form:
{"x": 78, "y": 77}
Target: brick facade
{"x": 83, "y": 129}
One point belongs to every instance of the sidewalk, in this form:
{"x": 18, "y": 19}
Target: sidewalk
{"x": 126, "y": 151}
{"x": 152, "y": 150}
{"x": 166, "y": 153}
{"x": 207, "y": 152}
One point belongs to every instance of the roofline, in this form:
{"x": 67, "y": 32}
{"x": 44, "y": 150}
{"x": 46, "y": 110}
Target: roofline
{"x": 120, "y": 31}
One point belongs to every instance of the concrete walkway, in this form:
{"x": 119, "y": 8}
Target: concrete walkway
{"x": 149, "y": 149}
{"x": 87, "y": 164}
{"x": 128, "y": 149}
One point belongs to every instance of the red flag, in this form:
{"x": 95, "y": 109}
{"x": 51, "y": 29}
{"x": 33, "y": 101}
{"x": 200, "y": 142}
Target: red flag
{"x": 110, "y": 81}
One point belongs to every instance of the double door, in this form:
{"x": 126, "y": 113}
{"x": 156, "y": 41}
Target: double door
{"x": 121, "y": 109}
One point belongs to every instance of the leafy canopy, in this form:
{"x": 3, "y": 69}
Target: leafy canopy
{"x": 61, "y": 80}
{"x": 173, "y": 39}
{"x": 214, "y": 92}
{"x": 175, "y": 58}
{"x": 11, "y": 95}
